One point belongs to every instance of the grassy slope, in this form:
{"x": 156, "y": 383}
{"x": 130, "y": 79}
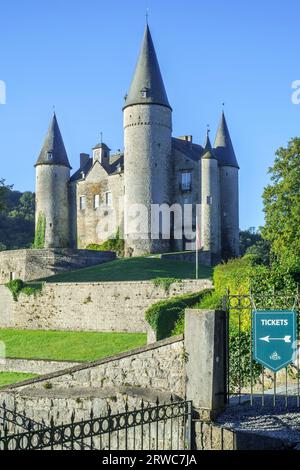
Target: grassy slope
{"x": 133, "y": 269}
{"x": 67, "y": 346}
{"x": 8, "y": 378}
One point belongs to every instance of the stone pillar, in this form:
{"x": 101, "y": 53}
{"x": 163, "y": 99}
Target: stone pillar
{"x": 205, "y": 336}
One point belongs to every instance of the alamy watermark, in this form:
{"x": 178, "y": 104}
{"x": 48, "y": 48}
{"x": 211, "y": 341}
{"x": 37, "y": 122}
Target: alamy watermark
{"x": 296, "y": 93}
{"x": 2, "y": 92}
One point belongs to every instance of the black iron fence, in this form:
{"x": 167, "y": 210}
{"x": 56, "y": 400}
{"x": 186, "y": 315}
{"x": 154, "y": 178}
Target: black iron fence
{"x": 247, "y": 380}
{"x": 159, "y": 427}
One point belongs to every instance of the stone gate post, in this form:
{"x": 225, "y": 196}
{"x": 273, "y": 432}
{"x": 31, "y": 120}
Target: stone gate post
{"x": 205, "y": 338}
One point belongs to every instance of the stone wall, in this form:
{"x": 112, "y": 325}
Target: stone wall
{"x": 95, "y": 225}
{"x": 107, "y": 306}
{"x": 144, "y": 373}
{"x": 34, "y": 264}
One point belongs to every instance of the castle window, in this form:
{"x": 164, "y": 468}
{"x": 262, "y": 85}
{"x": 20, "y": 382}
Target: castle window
{"x": 49, "y": 156}
{"x": 96, "y": 201}
{"x": 108, "y": 199}
{"x": 82, "y": 203}
{"x": 186, "y": 181}
{"x": 209, "y": 200}
{"x": 144, "y": 92}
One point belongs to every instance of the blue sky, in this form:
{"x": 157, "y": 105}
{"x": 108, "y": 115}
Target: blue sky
{"x": 80, "y": 57}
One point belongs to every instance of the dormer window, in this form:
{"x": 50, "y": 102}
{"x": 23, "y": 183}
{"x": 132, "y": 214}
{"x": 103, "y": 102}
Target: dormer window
{"x": 145, "y": 92}
{"x": 49, "y": 156}
{"x": 186, "y": 181}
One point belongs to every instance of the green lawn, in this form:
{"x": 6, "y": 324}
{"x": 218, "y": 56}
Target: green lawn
{"x": 133, "y": 269}
{"x": 9, "y": 378}
{"x": 67, "y": 346}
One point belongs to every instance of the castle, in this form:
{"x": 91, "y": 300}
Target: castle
{"x": 155, "y": 169}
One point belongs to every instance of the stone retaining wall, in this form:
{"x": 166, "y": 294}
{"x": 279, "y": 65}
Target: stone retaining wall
{"x": 35, "y": 264}
{"x": 147, "y": 372}
{"x": 106, "y": 306}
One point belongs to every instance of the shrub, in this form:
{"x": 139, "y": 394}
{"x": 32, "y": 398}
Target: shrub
{"x": 167, "y": 316}
{"x": 17, "y": 286}
{"x": 165, "y": 282}
{"x": 240, "y": 360}
{"x": 116, "y": 244}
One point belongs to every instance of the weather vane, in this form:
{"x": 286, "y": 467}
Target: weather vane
{"x": 208, "y": 129}
{"x": 101, "y": 138}
{"x": 147, "y": 15}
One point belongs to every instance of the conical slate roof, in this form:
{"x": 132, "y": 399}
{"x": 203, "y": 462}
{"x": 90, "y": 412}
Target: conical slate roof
{"x": 223, "y": 145}
{"x": 53, "y": 151}
{"x": 147, "y": 85}
{"x": 208, "y": 152}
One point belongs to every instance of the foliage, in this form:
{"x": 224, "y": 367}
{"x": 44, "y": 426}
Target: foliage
{"x": 16, "y": 218}
{"x": 240, "y": 359}
{"x": 116, "y": 244}
{"x": 4, "y": 189}
{"x": 39, "y": 240}
{"x": 166, "y": 317}
{"x": 248, "y": 238}
{"x": 68, "y": 345}
{"x": 17, "y": 287}
{"x": 165, "y": 282}
{"x": 213, "y": 300}
{"x": 282, "y": 206}
{"x": 25, "y": 209}
{"x": 261, "y": 252}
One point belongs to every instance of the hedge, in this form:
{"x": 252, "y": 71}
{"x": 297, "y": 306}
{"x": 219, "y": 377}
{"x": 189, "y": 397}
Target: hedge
{"x": 166, "y": 317}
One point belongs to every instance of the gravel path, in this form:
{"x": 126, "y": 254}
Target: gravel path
{"x": 281, "y": 421}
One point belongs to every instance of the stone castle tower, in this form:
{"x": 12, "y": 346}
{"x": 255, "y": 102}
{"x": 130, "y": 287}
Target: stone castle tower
{"x": 52, "y": 203}
{"x": 155, "y": 168}
{"x": 148, "y": 147}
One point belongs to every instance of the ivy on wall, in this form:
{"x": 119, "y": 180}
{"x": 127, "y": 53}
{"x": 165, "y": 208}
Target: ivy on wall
{"x": 39, "y": 239}
{"x": 17, "y": 287}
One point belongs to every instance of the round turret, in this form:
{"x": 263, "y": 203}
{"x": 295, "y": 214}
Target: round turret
{"x": 147, "y": 155}
{"x": 52, "y": 204}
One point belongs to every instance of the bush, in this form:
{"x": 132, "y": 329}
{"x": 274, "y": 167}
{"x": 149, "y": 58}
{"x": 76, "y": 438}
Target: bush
{"x": 116, "y": 244}
{"x": 17, "y": 286}
{"x": 240, "y": 360}
{"x": 166, "y": 317}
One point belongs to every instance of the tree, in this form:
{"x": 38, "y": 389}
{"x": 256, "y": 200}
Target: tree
{"x": 16, "y": 218}
{"x": 282, "y": 206}
{"x": 25, "y": 208}
{"x": 4, "y": 189}
{"x": 248, "y": 238}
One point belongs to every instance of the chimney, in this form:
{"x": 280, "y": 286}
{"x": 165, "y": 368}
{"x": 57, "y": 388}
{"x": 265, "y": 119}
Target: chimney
{"x": 187, "y": 138}
{"x": 84, "y": 158}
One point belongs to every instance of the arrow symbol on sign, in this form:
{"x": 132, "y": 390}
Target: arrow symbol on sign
{"x": 286, "y": 339}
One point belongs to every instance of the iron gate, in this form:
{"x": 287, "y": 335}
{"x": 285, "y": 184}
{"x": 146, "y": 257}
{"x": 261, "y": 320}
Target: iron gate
{"x": 247, "y": 380}
{"x": 160, "y": 427}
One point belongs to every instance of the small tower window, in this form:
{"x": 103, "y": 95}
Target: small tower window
{"x": 108, "y": 199}
{"x": 96, "y": 201}
{"x": 145, "y": 92}
{"x": 82, "y": 203}
{"x": 49, "y": 156}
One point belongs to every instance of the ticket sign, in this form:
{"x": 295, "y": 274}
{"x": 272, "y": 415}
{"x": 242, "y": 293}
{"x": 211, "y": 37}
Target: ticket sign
{"x": 274, "y": 338}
